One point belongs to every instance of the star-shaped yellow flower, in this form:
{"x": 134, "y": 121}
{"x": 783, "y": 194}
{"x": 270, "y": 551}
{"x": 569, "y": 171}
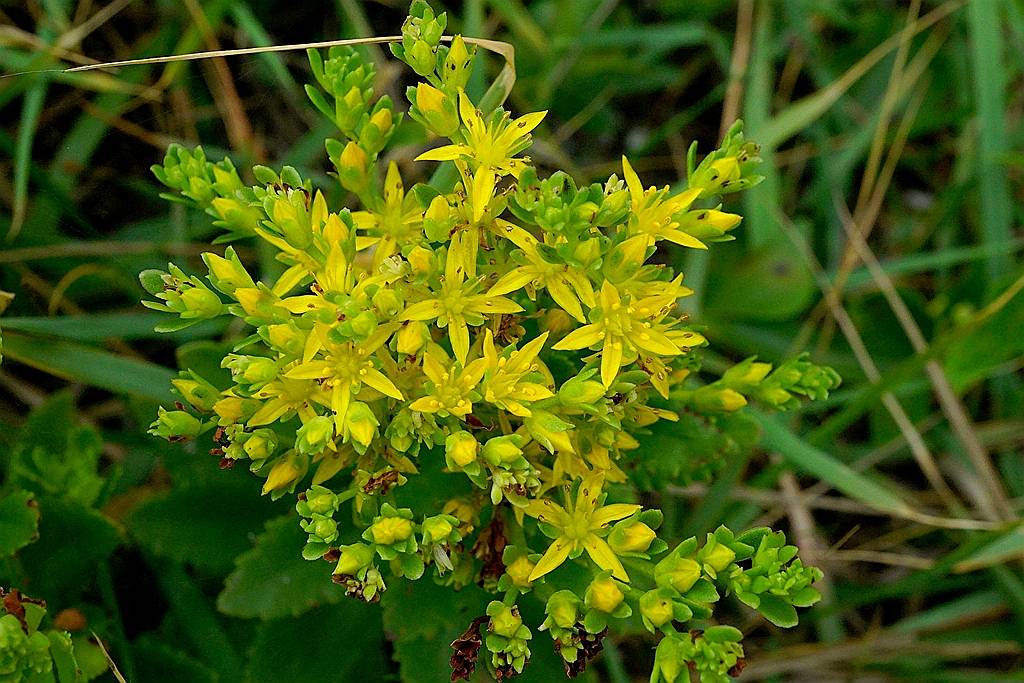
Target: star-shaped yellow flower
{"x": 652, "y": 214}
{"x": 491, "y": 147}
{"x": 580, "y": 527}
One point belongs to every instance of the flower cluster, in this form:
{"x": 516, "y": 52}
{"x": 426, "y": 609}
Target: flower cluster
{"x": 509, "y": 334}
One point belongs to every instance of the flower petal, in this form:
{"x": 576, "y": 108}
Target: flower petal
{"x": 376, "y": 379}
{"x": 555, "y": 555}
{"x": 588, "y": 335}
{"x": 611, "y": 513}
{"x": 611, "y": 360}
{"x": 603, "y": 556}
{"x": 422, "y": 310}
{"x": 445, "y": 153}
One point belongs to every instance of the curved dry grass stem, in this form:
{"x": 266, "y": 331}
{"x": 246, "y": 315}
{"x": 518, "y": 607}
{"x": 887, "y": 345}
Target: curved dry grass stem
{"x": 502, "y": 85}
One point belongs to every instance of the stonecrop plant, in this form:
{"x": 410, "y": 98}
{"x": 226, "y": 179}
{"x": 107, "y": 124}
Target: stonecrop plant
{"x": 515, "y": 333}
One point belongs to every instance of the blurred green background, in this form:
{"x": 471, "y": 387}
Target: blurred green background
{"x": 885, "y": 240}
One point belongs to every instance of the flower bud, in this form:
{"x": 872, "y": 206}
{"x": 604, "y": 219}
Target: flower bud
{"x": 411, "y": 337}
{"x": 714, "y": 399}
{"x": 314, "y": 435}
{"x": 716, "y": 555}
{"x": 679, "y": 573}
{"x": 631, "y": 536}
{"x": 388, "y": 302}
{"x": 519, "y": 571}
{"x": 458, "y": 65}
{"x": 438, "y": 528}
{"x": 421, "y": 57}
{"x": 175, "y": 424}
{"x": 354, "y": 558}
{"x": 604, "y": 594}
{"x": 260, "y": 444}
{"x": 421, "y": 260}
{"x": 361, "y": 423}
{"x": 505, "y": 620}
{"x": 227, "y": 272}
{"x": 460, "y": 449}
{"x": 196, "y": 391}
{"x": 437, "y": 110}
{"x": 557, "y": 322}
{"x": 438, "y": 220}
{"x": 353, "y": 168}
{"x": 200, "y": 302}
{"x": 578, "y": 391}
{"x": 389, "y": 530}
{"x": 503, "y": 450}
{"x": 319, "y": 500}
{"x": 669, "y": 661}
{"x": 286, "y": 472}
{"x": 655, "y": 608}
{"x": 747, "y": 374}
{"x": 563, "y": 609}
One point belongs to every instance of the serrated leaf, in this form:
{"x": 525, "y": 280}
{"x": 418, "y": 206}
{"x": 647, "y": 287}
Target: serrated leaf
{"x": 423, "y": 619}
{"x": 19, "y": 522}
{"x": 777, "y": 611}
{"x": 73, "y": 538}
{"x": 206, "y": 525}
{"x": 273, "y": 581}
{"x": 352, "y": 627}
{"x": 157, "y": 662}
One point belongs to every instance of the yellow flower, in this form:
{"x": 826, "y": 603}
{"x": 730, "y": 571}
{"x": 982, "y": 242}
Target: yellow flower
{"x": 450, "y": 391}
{"x": 457, "y": 306}
{"x": 580, "y": 528}
{"x": 568, "y": 286}
{"x": 287, "y": 396}
{"x": 490, "y": 147}
{"x": 396, "y": 220}
{"x": 652, "y": 214}
{"x": 345, "y": 368}
{"x": 503, "y": 383}
{"x": 619, "y": 325}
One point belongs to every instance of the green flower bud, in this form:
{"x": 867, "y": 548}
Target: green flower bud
{"x": 227, "y": 272}
{"x": 563, "y": 609}
{"x": 460, "y": 449}
{"x": 354, "y": 558}
{"x": 604, "y": 594}
{"x": 421, "y": 57}
{"x": 438, "y": 529}
{"x": 716, "y": 555}
{"x": 579, "y": 391}
{"x": 655, "y": 609}
{"x": 388, "y": 302}
{"x": 503, "y": 450}
{"x": 260, "y": 444}
{"x": 505, "y": 620}
{"x": 200, "y": 302}
{"x": 361, "y": 423}
{"x": 631, "y": 536}
{"x": 175, "y": 424}
{"x": 319, "y": 501}
{"x": 195, "y": 390}
{"x": 389, "y": 530}
{"x": 458, "y": 65}
{"x": 314, "y": 435}
{"x": 679, "y": 573}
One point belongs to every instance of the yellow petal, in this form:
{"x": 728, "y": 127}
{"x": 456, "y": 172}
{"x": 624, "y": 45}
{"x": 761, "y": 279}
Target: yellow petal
{"x": 445, "y": 153}
{"x": 493, "y": 304}
{"x": 483, "y": 189}
{"x": 564, "y": 297}
{"x": 653, "y": 341}
{"x": 684, "y": 239}
{"x": 378, "y": 381}
{"x": 636, "y": 188}
{"x": 512, "y": 281}
{"x": 603, "y": 556}
{"x": 422, "y": 310}
{"x": 588, "y": 335}
{"x": 458, "y": 333}
{"x": 555, "y": 555}
{"x": 611, "y": 513}
{"x": 611, "y": 360}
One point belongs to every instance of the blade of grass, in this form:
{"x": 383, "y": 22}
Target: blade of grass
{"x": 989, "y": 73}
{"x": 31, "y": 108}
{"x": 80, "y": 363}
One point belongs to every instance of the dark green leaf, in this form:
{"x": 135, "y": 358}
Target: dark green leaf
{"x": 19, "y": 522}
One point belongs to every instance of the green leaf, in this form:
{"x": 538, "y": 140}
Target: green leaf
{"x": 1006, "y": 548}
{"x": 63, "y": 654}
{"x": 73, "y": 538}
{"x": 424, "y": 619}
{"x": 777, "y": 611}
{"x": 206, "y": 525}
{"x": 319, "y": 635}
{"x": 808, "y": 458}
{"x": 19, "y": 522}
{"x": 81, "y": 363}
{"x": 273, "y": 581}
{"x": 769, "y": 284}
{"x": 157, "y": 662}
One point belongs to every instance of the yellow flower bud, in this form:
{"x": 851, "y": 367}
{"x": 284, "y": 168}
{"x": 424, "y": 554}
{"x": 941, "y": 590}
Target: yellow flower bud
{"x": 285, "y": 473}
{"x": 604, "y": 594}
{"x": 353, "y": 559}
{"x": 506, "y": 621}
{"x": 436, "y": 529}
{"x": 631, "y": 538}
{"x": 557, "y": 322}
{"x": 656, "y": 608}
{"x": 228, "y": 409}
{"x": 461, "y": 448}
{"x": 361, "y": 423}
{"x": 411, "y": 337}
{"x": 389, "y": 530}
{"x": 718, "y": 556}
{"x": 421, "y": 260}
{"x": 519, "y": 571}
{"x": 680, "y": 573}
{"x": 260, "y": 444}
{"x": 437, "y": 111}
